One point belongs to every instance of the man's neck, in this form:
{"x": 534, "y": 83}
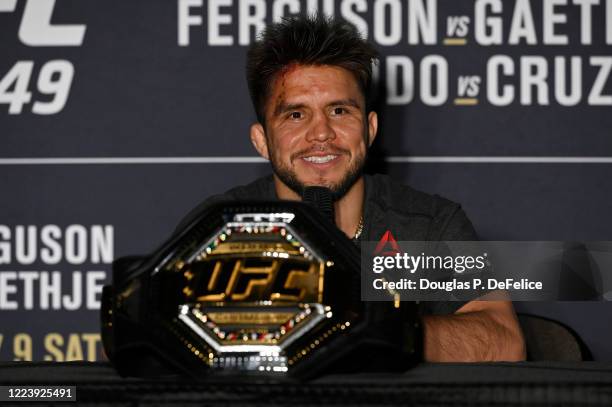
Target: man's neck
{"x": 348, "y": 209}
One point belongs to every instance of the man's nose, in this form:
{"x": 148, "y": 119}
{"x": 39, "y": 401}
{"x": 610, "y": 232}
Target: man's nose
{"x": 321, "y": 130}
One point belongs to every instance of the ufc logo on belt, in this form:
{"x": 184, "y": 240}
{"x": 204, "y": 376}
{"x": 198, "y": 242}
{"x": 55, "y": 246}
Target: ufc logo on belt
{"x": 248, "y": 279}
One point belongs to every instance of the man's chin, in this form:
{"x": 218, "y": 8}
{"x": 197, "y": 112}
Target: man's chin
{"x": 298, "y": 184}
{"x": 321, "y": 183}
{"x": 322, "y": 177}
{"x": 338, "y": 188}
{"x": 339, "y": 184}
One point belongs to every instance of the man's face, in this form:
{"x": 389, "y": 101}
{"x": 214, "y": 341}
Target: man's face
{"x": 316, "y": 132}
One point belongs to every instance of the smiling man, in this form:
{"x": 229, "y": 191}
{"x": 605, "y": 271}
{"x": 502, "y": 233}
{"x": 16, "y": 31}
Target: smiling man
{"x": 309, "y": 80}
{"x": 314, "y": 129}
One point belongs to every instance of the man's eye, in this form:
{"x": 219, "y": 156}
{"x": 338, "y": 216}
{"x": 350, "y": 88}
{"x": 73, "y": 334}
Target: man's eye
{"x": 339, "y": 110}
{"x": 296, "y": 115}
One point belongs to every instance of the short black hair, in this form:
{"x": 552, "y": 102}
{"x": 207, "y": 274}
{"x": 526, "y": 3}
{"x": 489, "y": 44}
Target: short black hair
{"x": 306, "y": 40}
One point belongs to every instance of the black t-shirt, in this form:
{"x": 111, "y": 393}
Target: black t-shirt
{"x": 407, "y": 213}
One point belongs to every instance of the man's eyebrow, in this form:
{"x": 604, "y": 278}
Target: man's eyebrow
{"x": 283, "y": 107}
{"x": 345, "y": 102}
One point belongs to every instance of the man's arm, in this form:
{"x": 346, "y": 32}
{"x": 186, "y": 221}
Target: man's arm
{"x": 480, "y": 331}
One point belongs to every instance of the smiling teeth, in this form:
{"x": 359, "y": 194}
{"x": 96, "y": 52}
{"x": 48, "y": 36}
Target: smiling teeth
{"x": 320, "y": 160}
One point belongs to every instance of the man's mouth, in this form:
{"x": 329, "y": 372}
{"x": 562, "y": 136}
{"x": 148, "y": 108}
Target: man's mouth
{"x": 320, "y": 159}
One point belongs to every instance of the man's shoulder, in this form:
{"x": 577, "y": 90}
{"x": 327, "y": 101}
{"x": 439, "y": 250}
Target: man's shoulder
{"x": 414, "y": 214}
{"x": 405, "y": 200}
{"x": 261, "y": 188}
{"x": 258, "y": 190}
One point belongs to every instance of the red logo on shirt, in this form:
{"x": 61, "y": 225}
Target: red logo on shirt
{"x": 387, "y": 246}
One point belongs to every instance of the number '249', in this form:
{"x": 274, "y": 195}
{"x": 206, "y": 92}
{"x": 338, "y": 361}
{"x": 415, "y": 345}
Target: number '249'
{"x": 54, "y": 78}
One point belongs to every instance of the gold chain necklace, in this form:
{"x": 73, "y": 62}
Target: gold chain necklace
{"x": 359, "y": 228}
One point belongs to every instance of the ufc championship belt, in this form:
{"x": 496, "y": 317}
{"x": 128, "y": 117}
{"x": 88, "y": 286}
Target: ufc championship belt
{"x": 262, "y": 288}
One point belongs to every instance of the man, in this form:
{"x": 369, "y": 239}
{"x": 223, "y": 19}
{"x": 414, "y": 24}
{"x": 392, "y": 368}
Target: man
{"x": 309, "y": 80}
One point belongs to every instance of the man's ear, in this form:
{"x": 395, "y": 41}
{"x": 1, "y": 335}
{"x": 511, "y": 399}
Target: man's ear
{"x": 372, "y": 127}
{"x": 258, "y": 138}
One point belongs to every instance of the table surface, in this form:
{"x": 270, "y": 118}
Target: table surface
{"x": 507, "y": 384}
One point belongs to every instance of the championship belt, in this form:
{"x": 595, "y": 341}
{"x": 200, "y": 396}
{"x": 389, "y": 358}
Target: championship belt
{"x": 268, "y": 288}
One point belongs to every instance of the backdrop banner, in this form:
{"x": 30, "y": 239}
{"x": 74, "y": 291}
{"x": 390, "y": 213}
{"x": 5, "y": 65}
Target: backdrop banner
{"x": 118, "y": 117}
